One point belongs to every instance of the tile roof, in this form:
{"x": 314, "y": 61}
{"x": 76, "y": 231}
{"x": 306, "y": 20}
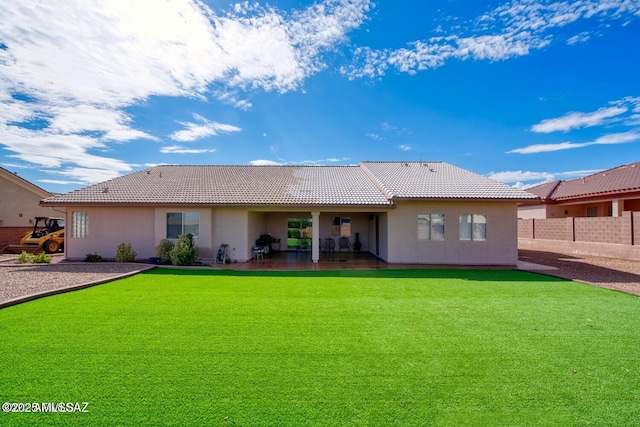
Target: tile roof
{"x": 370, "y": 184}
{"x": 621, "y": 179}
{"x": 235, "y": 185}
{"x": 439, "y": 180}
{"x": 544, "y": 191}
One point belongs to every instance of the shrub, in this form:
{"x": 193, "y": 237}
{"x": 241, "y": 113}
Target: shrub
{"x": 124, "y": 253}
{"x": 24, "y": 257}
{"x": 163, "y": 250}
{"x": 41, "y": 258}
{"x": 184, "y": 252}
{"x": 92, "y": 258}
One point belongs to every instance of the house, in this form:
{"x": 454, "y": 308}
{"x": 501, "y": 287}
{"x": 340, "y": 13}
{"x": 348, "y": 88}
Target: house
{"x": 606, "y": 193}
{"x": 19, "y": 205}
{"x": 402, "y": 212}
{"x": 595, "y": 215}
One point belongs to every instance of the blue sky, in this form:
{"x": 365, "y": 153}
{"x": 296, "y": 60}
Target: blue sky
{"x": 524, "y": 92}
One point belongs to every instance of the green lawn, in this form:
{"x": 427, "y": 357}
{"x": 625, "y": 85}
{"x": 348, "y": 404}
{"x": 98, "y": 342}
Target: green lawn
{"x": 404, "y": 347}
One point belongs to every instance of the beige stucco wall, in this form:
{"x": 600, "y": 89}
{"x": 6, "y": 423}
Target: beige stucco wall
{"x": 140, "y": 226}
{"x": 230, "y": 226}
{"x": 108, "y": 227}
{"x": 500, "y": 248}
{"x": 19, "y": 203}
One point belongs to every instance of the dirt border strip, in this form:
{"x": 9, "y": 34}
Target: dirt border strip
{"x": 38, "y": 295}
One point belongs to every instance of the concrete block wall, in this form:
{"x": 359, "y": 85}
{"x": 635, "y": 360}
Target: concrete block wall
{"x": 12, "y": 235}
{"x": 525, "y": 228}
{"x": 601, "y": 230}
{"x": 617, "y": 237}
{"x": 553, "y": 229}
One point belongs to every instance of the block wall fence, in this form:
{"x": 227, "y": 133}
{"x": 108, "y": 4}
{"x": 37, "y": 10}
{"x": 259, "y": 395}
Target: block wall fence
{"x": 602, "y": 236}
{"x": 12, "y": 235}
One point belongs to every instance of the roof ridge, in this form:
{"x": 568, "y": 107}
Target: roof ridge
{"x": 15, "y": 174}
{"x": 369, "y": 173}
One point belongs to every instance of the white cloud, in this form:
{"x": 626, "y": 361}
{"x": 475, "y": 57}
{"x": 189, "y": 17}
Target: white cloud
{"x": 612, "y": 138}
{"x": 264, "y": 163}
{"x": 77, "y": 65}
{"x": 405, "y": 147}
{"x": 510, "y": 30}
{"x": 179, "y": 149}
{"x": 515, "y": 176}
{"x": 522, "y": 179}
{"x": 202, "y": 129}
{"x": 583, "y": 37}
{"x": 575, "y": 120}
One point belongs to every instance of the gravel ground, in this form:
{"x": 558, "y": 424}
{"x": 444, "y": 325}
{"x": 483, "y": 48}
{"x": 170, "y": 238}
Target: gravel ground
{"x": 22, "y": 280}
{"x": 18, "y": 281}
{"x": 611, "y": 273}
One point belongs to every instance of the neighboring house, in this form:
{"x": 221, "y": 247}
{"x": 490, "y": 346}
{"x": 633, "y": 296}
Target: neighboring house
{"x": 402, "y": 212}
{"x": 595, "y": 215}
{"x": 19, "y": 205}
{"x": 606, "y": 193}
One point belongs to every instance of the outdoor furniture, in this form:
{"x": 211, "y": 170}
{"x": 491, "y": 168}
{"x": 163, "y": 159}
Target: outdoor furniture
{"x": 329, "y": 244}
{"x": 223, "y": 257}
{"x": 343, "y": 243}
{"x": 258, "y": 253}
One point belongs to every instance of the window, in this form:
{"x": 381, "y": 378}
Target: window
{"x": 473, "y": 227}
{"x": 341, "y": 226}
{"x": 592, "y": 211}
{"x": 183, "y": 223}
{"x": 80, "y": 225}
{"x": 431, "y": 227}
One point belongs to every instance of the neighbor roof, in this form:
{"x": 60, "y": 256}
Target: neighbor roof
{"x": 369, "y": 184}
{"x": 621, "y": 179}
{"x": 18, "y": 180}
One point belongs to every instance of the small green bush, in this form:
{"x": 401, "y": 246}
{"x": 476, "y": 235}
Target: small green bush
{"x": 163, "y": 250}
{"x": 24, "y": 257}
{"x": 124, "y": 253}
{"x": 92, "y": 257}
{"x": 41, "y": 258}
{"x": 184, "y": 252}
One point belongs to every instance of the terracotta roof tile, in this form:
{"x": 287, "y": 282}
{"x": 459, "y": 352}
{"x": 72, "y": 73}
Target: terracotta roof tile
{"x": 616, "y": 180}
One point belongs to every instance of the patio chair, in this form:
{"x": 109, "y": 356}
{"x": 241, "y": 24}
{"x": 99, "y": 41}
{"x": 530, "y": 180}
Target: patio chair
{"x": 329, "y": 244}
{"x": 223, "y": 257}
{"x": 343, "y": 243}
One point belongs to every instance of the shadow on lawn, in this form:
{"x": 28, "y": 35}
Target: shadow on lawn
{"x": 471, "y": 275}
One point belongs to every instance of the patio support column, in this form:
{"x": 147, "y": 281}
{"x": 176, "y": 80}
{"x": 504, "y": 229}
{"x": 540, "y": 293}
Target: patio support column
{"x": 315, "y": 236}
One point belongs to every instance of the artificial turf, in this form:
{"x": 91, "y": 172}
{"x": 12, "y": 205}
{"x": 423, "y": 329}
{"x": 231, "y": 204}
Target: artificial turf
{"x": 403, "y": 347}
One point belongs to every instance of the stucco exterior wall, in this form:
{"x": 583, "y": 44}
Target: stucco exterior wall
{"x": 230, "y": 226}
{"x": 19, "y": 205}
{"x": 108, "y": 227}
{"x": 500, "y": 247}
{"x": 534, "y": 211}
